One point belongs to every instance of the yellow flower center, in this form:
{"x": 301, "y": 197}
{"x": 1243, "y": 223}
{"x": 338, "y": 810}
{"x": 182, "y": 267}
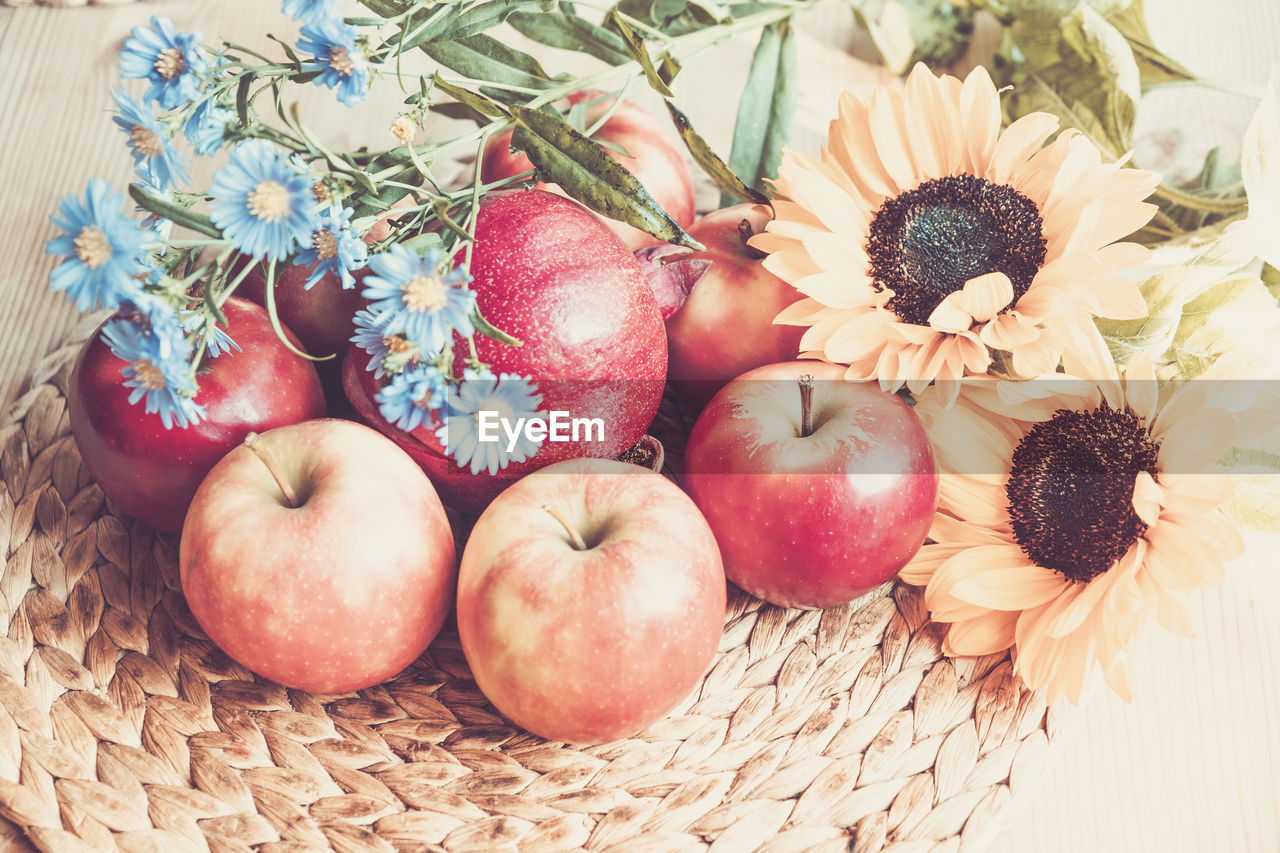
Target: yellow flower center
{"x": 426, "y": 293}
{"x": 320, "y": 191}
{"x": 340, "y": 60}
{"x": 396, "y": 343}
{"x": 170, "y": 63}
{"x": 92, "y": 247}
{"x": 148, "y": 375}
{"x": 269, "y": 201}
{"x": 402, "y": 129}
{"x": 145, "y": 142}
{"x": 325, "y": 243}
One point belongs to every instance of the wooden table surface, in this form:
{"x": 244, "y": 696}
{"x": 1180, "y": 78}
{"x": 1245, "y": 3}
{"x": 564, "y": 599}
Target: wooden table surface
{"x": 1192, "y": 765}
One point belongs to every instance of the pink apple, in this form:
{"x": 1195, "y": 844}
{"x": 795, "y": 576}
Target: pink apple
{"x": 590, "y": 600}
{"x": 724, "y": 326}
{"x": 151, "y": 472}
{"x": 811, "y": 518}
{"x": 320, "y": 557}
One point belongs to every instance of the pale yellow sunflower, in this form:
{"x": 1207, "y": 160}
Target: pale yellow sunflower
{"x": 924, "y": 238}
{"x": 1072, "y": 513}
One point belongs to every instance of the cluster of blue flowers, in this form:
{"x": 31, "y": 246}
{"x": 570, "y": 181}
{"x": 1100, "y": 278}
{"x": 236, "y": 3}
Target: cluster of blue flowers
{"x": 106, "y": 267}
{"x": 332, "y": 44}
{"x": 416, "y": 307}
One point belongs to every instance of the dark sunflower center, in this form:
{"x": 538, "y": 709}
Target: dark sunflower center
{"x": 1070, "y": 490}
{"x": 927, "y": 242}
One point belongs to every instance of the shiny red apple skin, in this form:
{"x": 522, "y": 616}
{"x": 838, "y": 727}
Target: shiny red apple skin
{"x": 151, "y": 472}
{"x": 654, "y": 156}
{"x": 321, "y": 317}
{"x": 547, "y": 272}
{"x": 725, "y": 326}
{"x": 815, "y": 521}
{"x": 590, "y": 645}
{"x": 337, "y": 594}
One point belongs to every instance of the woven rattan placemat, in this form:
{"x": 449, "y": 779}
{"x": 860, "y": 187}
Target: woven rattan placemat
{"x": 123, "y": 727}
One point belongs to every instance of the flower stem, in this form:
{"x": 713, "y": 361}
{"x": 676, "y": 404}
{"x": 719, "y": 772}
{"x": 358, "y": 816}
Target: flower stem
{"x": 253, "y": 441}
{"x": 575, "y": 538}
{"x": 806, "y": 405}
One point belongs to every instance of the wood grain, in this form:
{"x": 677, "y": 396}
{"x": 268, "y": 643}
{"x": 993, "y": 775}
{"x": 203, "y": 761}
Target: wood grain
{"x": 1192, "y": 765}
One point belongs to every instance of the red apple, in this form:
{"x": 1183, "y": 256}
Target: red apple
{"x": 151, "y": 472}
{"x": 811, "y": 519}
{"x": 653, "y": 155}
{"x": 724, "y": 326}
{"x": 590, "y": 600}
{"x": 547, "y": 272}
{"x": 318, "y": 556}
{"x": 321, "y": 316}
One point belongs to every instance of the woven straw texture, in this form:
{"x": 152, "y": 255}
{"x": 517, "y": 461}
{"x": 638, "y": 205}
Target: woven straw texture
{"x": 123, "y": 727}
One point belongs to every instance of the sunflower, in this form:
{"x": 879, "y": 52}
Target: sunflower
{"x": 924, "y": 238}
{"x": 1070, "y": 513}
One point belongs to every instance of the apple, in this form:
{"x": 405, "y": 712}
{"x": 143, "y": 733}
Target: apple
{"x": 722, "y": 326}
{"x": 547, "y": 272}
{"x": 653, "y": 155}
{"x": 319, "y": 556}
{"x": 590, "y": 600}
{"x": 812, "y": 503}
{"x": 321, "y": 317}
{"x": 151, "y": 472}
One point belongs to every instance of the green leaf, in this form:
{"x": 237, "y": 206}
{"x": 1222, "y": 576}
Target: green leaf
{"x": 457, "y": 110}
{"x": 910, "y": 31}
{"x": 242, "y": 99}
{"x": 1082, "y": 71}
{"x": 482, "y": 57}
{"x": 635, "y": 47}
{"x": 478, "y": 103}
{"x": 1154, "y": 67}
{"x": 1167, "y": 292}
{"x": 569, "y": 32}
{"x": 484, "y": 16}
{"x": 766, "y": 110}
{"x": 489, "y": 330}
{"x": 176, "y": 214}
{"x": 583, "y": 170}
{"x": 710, "y": 162}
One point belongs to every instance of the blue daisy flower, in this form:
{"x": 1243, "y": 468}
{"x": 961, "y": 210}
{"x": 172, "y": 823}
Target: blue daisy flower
{"x": 157, "y": 369}
{"x": 373, "y": 337}
{"x": 148, "y": 311}
{"x": 413, "y": 295}
{"x": 171, "y": 60}
{"x": 206, "y": 127}
{"x": 312, "y": 10}
{"x": 217, "y": 341}
{"x": 103, "y": 248}
{"x": 509, "y": 397}
{"x": 341, "y": 65}
{"x": 334, "y": 248}
{"x": 414, "y": 397}
{"x": 263, "y": 205}
{"x": 158, "y": 162}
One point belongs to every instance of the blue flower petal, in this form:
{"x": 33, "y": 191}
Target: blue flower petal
{"x": 263, "y": 204}
{"x": 103, "y": 248}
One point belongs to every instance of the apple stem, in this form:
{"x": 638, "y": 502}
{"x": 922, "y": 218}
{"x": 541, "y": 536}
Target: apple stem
{"x": 806, "y": 405}
{"x": 252, "y": 441}
{"x": 575, "y": 538}
{"x": 745, "y": 233}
